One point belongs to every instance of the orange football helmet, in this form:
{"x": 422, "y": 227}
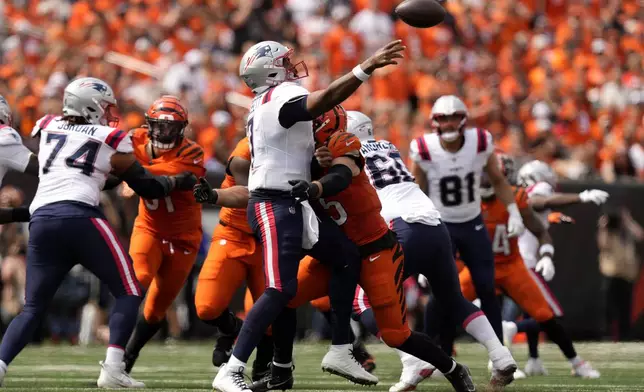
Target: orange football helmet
{"x": 167, "y": 119}
{"x": 335, "y": 120}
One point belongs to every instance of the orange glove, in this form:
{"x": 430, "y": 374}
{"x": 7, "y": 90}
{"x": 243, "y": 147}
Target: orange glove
{"x": 559, "y": 218}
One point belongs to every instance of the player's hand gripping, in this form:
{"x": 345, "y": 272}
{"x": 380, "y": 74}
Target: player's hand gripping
{"x": 384, "y": 56}
{"x": 593, "y": 196}
{"x": 515, "y": 222}
{"x": 304, "y": 190}
{"x": 204, "y": 193}
{"x": 324, "y": 156}
{"x": 184, "y": 181}
{"x": 546, "y": 268}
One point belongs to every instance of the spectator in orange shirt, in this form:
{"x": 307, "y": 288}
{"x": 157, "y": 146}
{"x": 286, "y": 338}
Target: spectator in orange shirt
{"x": 342, "y": 46}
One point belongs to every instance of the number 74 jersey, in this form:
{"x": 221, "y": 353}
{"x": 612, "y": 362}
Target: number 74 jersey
{"x": 453, "y": 178}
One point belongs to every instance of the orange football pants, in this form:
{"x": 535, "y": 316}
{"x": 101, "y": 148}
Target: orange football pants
{"x": 519, "y": 283}
{"x": 233, "y": 258}
{"x": 162, "y": 268}
{"x": 381, "y": 278}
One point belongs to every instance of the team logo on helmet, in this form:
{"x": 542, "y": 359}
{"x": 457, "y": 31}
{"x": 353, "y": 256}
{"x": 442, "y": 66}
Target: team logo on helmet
{"x": 101, "y": 88}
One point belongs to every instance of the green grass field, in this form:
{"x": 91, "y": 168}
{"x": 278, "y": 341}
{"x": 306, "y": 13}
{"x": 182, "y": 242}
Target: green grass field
{"x": 185, "y": 367}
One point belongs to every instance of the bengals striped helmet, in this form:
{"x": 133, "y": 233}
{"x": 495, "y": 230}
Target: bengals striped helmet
{"x": 167, "y": 118}
{"x": 335, "y": 120}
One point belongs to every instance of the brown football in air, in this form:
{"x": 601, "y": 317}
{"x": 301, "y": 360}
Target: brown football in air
{"x": 420, "y": 13}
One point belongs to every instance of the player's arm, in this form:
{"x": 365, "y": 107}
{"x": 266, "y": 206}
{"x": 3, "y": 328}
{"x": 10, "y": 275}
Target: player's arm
{"x": 148, "y": 186}
{"x": 544, "y": 266}
{"x": 541, "y": 202}
{"x": 505, "y": 193}
{"x": 233, "y": 197}
{"x": 416, "y": 158}
{"x": 10, "y": 215}
{"x": 307, "y": 107}
{"x": 420, "y": 176}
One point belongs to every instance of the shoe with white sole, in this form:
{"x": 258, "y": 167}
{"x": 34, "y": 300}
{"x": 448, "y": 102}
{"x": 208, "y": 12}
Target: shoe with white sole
{"x": 584, "y": 370}
{"x": 509, "y": 332}
{"x": 413, "y": 373}
{"x": 339, "y": 360}
{"x": 115, "y": 376}
{"x": 230, "y": 380}
{"x": 534, "y": 367}
{"x": 519, "y": 375}
{"x": 503, "y": 367}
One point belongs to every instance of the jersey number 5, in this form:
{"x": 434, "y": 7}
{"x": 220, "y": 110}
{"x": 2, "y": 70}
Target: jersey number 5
{"x": 82, "y": 159}
{"x": 340, "y": 215}
{"x": 451, "y": 188}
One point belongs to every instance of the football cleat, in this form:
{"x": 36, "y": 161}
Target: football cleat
{"x": 584, "y": 370}
{"x": 534, "y": 367}
{"x": 224, "y": 346}
{"x": 339, "y": 360}
{"x": 503, "y": 367}
{"x": 230, "y": 380}
{"x": 114, "y": 376}
{"x": 362, "y": 355}
{"x": 279, "y": 378}
{"x": 414, "y": 372}
{"x": 461, "y": 379}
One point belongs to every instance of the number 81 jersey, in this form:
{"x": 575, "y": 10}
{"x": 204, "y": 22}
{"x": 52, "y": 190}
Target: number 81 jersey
{"x": 453, "y": 178}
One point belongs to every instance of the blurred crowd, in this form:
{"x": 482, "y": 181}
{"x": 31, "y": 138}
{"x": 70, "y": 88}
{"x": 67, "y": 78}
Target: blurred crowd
{"x": 561, "y": 80}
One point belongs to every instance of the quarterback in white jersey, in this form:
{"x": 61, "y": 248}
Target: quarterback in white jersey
{"x": 14, "y": 156}
{"x": 78, "y": 151}
{"x": 428, "y": 251}
{"x": 448, "y": 165}
{"x": 280, "y": 135}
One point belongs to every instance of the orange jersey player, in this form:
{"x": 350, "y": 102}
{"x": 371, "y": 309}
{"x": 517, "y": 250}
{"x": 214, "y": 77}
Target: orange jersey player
{"x": 234, "y": 257}
{"x": 514, "y": 278}
{"x": 167, "y": 232}
{"x": 356, "y": 209}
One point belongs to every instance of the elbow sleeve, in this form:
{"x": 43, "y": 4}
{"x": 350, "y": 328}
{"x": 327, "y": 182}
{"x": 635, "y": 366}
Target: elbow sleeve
{"x": 336, "y": 180}
{"x": 146, "y": 185}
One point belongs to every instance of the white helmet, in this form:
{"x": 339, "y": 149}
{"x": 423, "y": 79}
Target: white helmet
{"x": 5, "y": 112}
{"x": 268, "y": 64}
{"x": 91, "y": 99}
{"x": 360, "y": 125}
{"x": 507, "y": 167}
{"x": 449, "y": 105}
{"x": 534, "y": 172}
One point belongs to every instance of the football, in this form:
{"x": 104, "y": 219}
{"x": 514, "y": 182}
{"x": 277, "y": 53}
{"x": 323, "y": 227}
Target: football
{"x": 420, "y": 13}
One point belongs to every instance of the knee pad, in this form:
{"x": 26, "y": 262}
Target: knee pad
{"x": 395, "y": 337}
{"x": 206, "y": 311}
{"x": 153, "y": 316}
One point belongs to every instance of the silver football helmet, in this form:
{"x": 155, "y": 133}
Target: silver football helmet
{"x": 534, "y": 172}
{"x": 447, "y": 106}
{"x": 268, "y": 64}
{"x": 360, "y": 125}
{"x": 91, "y": 99}
{"x": 5, "y": 112}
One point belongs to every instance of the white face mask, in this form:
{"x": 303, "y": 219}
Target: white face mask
{"x": 450, "y": 136}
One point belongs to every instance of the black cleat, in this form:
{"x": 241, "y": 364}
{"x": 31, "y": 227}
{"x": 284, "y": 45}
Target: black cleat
{"x": 461, "y": 379}
{"x": 224, "y": 346}
{"x": 260, "y": 371}
{"x": 129, "y": 360}
{"x": 278, "y": 379}
{"x": 363, "y": 357}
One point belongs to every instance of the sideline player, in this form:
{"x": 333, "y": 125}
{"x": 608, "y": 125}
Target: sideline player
{"x": 281, "y": 143}
{"x": 234, "y": 256}
{"x": 514, "y": 278}
{"x": 77, "y": 152}
{"x": 356, "y": 209}
{"x": 540, "y": 183}
{"x": 167, "y": 231}
{"x": 428, "y": 251}
{"x": 447, "y": 165}
{"x": 13, "y": 155}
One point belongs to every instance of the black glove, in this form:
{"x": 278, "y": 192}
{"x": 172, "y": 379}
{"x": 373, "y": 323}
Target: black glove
{"x": 204, "y": 193}
{"x": 185, "y": 181}
{"x": 304, "y": 190}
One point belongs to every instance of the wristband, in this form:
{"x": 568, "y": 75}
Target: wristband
{"x": 360, "y": 74}
{"x": 547, "y": 248}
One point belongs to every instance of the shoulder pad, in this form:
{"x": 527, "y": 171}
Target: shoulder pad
{"x": 9, "y": 136}
{"x": 540, "y": 189}
{"x": 287, "y": 91}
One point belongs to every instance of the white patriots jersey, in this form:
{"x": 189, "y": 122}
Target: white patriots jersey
{"x": 454, "y": 178}
{"x": 278, "y": 154}
{"x": 528, "y": 243}
{"x": 13, "y": 155}
{"x": 75, "y": 160}
{"x": 399, "y": 195}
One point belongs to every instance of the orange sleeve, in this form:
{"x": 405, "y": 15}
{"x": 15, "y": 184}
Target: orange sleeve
{"x": 242, "y": 150}
{"x": 521, "y": 196}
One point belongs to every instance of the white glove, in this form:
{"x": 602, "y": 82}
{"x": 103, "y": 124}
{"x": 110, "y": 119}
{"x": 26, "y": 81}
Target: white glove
{"x": 422, "y": 281}
{"x": 546, "y": 268}
{"x": 593, "y": 195}
{"x": 515, "y": 222}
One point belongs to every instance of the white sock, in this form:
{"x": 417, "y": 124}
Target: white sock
{"x": 3, "y": 366}
{"x": 340, "y": 347}
{"x": 235, "y": 364}
{"x": 114, "y": 355}
{"x": 283, "y": 365}
{"x": 481, "y": 330}
{"x": 576, "y": 361}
